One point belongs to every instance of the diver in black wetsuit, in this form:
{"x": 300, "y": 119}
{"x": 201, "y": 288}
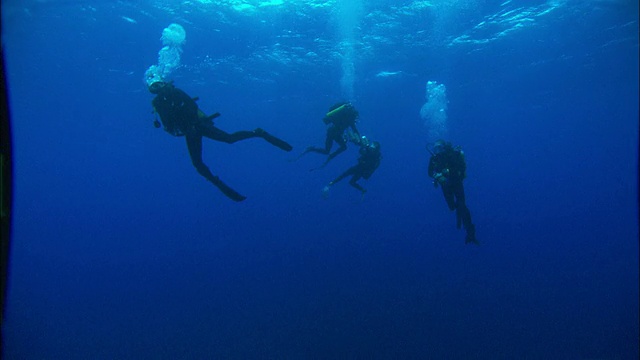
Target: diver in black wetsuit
{"x": 341, "y": 117}
{"x": 447, "y": 168}
{"x": 368, "y": 162}
{"x": 181, "y": 116}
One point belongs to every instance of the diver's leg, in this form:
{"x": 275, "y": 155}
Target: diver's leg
{"x": 328, "y": 142}
{"x": 469, "y": 227}
{"x": 212, "y": 132}
{"x": 447, "y": 191}
{"x": 314, "y": 149}
{"x": 464, "y": 215}
{"x": 306, "y": 151}
{"x": 339, "y": 151}
{"x": 350, "y": 171}
{"x": 333, "y": 134}
{"x": 342, "y": 143}
{"x": 461, "y": 205}
{"x": 354, "y": 182}
{"x": 194, "y": 144}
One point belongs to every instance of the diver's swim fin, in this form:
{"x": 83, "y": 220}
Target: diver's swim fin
{"x": 274, "y": 140}
{"x": 305, "y": 152}
{"x": 471, "y": 235}
{"x": 228, "y": 191}
{"x": 318, "y": 168}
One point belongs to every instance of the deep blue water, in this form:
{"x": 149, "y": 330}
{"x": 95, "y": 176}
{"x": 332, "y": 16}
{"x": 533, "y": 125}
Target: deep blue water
{"x": 121, "y": 250}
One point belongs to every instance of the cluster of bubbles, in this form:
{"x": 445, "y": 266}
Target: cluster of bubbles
{"x": 349, "y": 13}
{"x": 434, "y": 111}
{"x": 173, "y": 37}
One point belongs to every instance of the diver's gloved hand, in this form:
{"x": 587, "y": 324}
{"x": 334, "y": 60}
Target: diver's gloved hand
{"x": 439, "y": 179}
{"x": 321, "y": 166}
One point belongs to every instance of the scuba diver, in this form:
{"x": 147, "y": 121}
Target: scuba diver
{"x": 341, "y": 116}
{"x": 368, "y": 162}
{"x": 181, "y": 116}
{"x": 447, "y": 168}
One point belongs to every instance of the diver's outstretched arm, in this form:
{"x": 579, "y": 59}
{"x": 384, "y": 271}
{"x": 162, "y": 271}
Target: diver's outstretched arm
{"x": 353, "y": 182}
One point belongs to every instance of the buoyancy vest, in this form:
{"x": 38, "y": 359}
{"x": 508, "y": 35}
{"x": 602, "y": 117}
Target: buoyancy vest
{"x": 178, "y": 111}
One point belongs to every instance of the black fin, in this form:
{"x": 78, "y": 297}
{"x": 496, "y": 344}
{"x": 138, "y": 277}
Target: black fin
{"x": 277, "y": 142}
{"x": 228, "y": 191}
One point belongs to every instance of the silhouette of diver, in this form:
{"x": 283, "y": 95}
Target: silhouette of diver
{"x": 181, "y": 116}
{"x": 341, "y": 117}
{"x": 448, "y": 169}
{"x": 368, "y": 162}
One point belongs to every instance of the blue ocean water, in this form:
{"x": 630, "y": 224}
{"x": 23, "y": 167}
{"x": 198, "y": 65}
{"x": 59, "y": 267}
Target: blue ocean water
{"x": 121, "y": 250}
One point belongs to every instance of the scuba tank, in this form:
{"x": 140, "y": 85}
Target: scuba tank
{"x": 339, "y": 110}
